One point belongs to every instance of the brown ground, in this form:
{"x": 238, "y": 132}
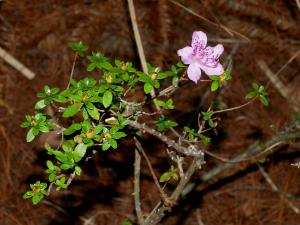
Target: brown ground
{"x": 37, "y": 33}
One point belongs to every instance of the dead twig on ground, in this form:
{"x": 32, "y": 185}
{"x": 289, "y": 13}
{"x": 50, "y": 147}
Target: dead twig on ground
{"x": 226, "y": 29}
{"x": 274, "y": 79}
{"x": 276, "y": 189}
{"x": 199, "y": 219}
{"x": 292, "y": 132}
{"x": 16, "y": 64}
{"x": 298, "y": 3}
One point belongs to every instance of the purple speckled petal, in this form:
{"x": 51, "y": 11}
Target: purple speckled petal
{"x": 212, "y": 70}
{"x": 199, "y": 40}
{"x": 185, "y": 54}
{"x": 194, "y": 72}
{"x": 217, "y": 50}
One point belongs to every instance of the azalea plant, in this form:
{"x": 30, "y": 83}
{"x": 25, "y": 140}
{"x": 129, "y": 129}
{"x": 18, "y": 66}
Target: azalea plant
{"x": 94, "y": 115}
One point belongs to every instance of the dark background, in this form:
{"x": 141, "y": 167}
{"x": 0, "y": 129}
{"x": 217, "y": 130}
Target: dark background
{"x": 37, "y": 33}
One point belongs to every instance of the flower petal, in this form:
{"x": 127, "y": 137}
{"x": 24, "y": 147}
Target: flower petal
{"x": 186, "y": 54}
{"x": 212, "y": 70}
{"x": 194, "y": 72}
{"x": 217, "y": 50}
{"x": 199, "y": 40}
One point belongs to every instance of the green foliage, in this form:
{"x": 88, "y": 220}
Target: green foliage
{"x": 260, "y": 92}
{"x": 164, "y": 123}
{"x": 37, "y": 123}
{"x": 192, "y": 135}
{"x": 217, "y": 81}
{"x": 165, "y": 105}
{"x": 107, "y": 99}
{"x": 79, "y": 48}
{"x": 170, "y": 174}
{"x": 110, "y": 136}
{"x": 37, "y": 192}
{"x": 207, "y": 116}
{"x": 92, "y": 115}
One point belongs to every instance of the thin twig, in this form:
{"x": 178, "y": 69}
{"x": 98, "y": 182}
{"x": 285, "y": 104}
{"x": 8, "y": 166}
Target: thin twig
{"x": 235, "y": 108}
{"x": 159, "y": 211}
{"x": 171, "y": 143}
{"x": 16, "y": 64}
{"x": 140, "y": 148}
{"x": 137, "y": 200}
{"x": 199, "y": 219}
{"x": 72, "y": 70}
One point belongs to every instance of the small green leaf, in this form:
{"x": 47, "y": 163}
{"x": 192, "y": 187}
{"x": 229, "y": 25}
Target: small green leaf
{"x": 214, "y": 85}
{"x": 264, "y": 100}
{"x": 40, "y": 104}
{"x": 85, "y": 114}
{"x": 118, "y": 135}
{"x": 79, "y": 152}
{"x": 73, "y": 128}
{"x": 91, "y": 67}
{"x": 251, "y": 94}
{"x": 147, "y": 88}
{"x": 94, "y": 113}
{"x": 214, "y": 78}
{"x": 159, "y": 103}
{"x": 98, "y": 129}
{"x": 25, "y": 124}
{"x": 255, "y": 86}
{"x": 50, "y": 165}
{"x": 37, "y": 198}
{"x": 77, "y": 170}
{"x": 60, "y": 156}
{"x": 113, "y": 143}
{"x": 47, "y": 90}
{"x": 31, "y": 134}
{"x": 112, "y": 121}
{"x": 107, "y": 99}
{"x": 60, "y": 99}
{"x": 72, "y": 110}
{"x": 66, "y": 166}
{"x": 105, "y": 145}
{"x": 166, "y": 176}
{"x": 52, "y": 177}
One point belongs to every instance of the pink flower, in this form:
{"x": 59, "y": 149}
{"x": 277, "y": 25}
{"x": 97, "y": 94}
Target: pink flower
{"x": 201, "y": 57}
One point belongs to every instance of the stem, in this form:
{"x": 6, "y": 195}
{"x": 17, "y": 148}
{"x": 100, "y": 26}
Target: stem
{"x": 140, "y": 148}
{"x": 159, "y": 211}
{"x": 72, "y": 71}
{"x": 171, "y": 143}
{"x": 137, "y": 200}
{"x": 237, "y": 107}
